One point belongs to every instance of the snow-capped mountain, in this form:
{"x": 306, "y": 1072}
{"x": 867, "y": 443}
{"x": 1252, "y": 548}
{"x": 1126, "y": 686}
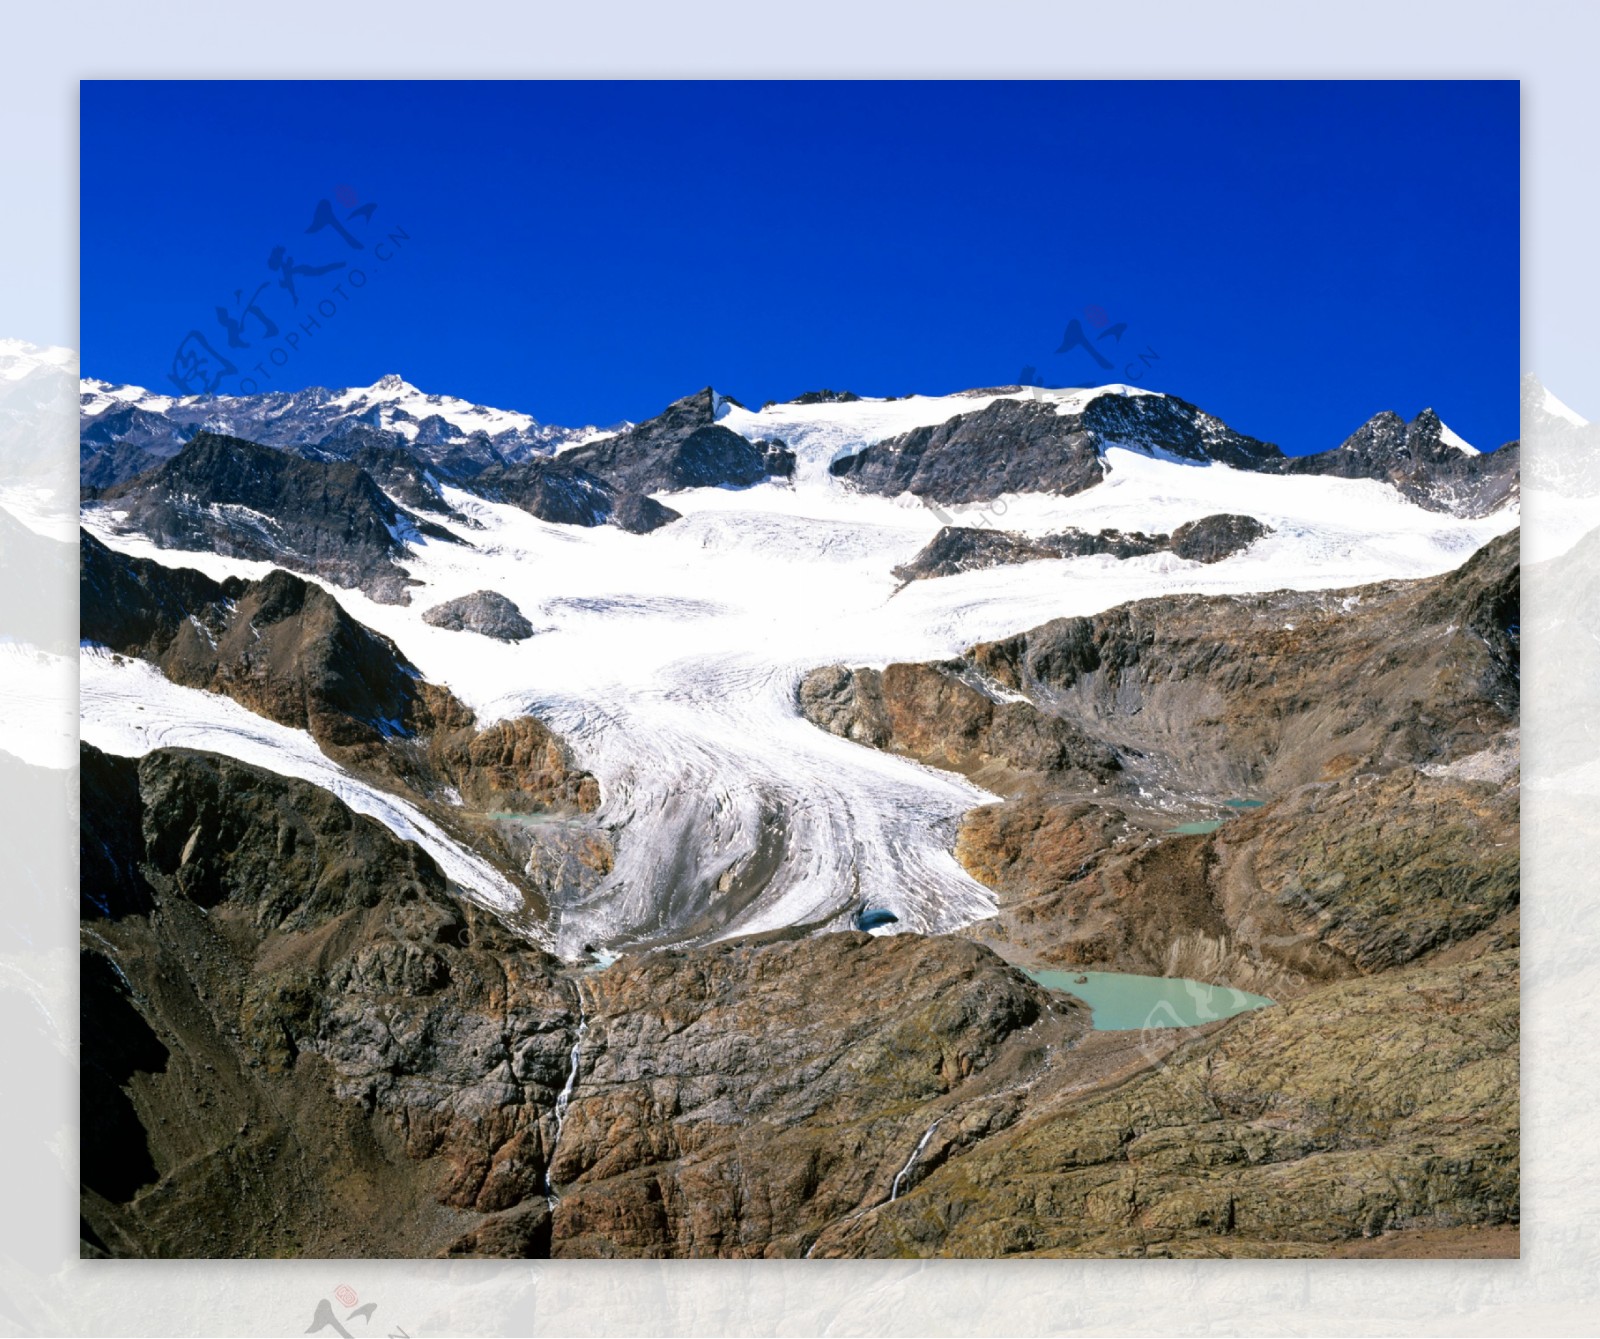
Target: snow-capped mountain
{"x": 124, "y": 429}
{"x": 668, "y": 657}
{"x": 962, "y": 448}
{"x": 728, "y": 682}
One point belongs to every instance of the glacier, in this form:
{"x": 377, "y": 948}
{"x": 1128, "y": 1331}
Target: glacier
{"x": 670, "y": 661}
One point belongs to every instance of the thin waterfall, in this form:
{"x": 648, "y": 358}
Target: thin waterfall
{"x": 894, "y": 1190}
{"x": 562, "y": 1099}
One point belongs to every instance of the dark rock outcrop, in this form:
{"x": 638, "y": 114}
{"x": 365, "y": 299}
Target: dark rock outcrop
{"x": 938, "y": 716}
{"x": 563, "y": 492}
{"x": 289, "y": 651}
{"x": 1213, "y": 538}
{"x": 778, "y": 459}
{"x": 485, "y": 612}
{"x": 1025, "y": 446}
{"x": 682, "y": 447}
{"x": 970, "y": 548}
{"x": 299, "y": 1044}
{"x": 1012, "y": 446}
{"x": 235, "y": 498}
{"x": 403, "y": 476}
{"x": 1418, "y": 461}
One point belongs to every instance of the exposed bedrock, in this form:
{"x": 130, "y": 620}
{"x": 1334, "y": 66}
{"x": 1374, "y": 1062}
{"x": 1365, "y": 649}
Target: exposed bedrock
{"x": 296, "y": 1043}
{"x": 485, "y": 612}
{"x": 286, "y": 649}
{"x": 1375, "y": 728}
{"x": 969, "y": 548}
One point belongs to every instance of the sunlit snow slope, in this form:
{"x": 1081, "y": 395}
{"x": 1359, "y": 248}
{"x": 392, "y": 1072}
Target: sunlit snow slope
{"x": 130, "y": 708}
{"x": 670, "y": 660}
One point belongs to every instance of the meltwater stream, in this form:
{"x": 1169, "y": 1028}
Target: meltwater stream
{"x": 563, "y": 1100}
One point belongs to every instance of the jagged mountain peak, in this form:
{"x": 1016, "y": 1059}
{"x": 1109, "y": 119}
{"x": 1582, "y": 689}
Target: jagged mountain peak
{"x": 1539, "y": 403}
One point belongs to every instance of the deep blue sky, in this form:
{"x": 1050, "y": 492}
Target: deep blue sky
{"x": 1298, "y": 255}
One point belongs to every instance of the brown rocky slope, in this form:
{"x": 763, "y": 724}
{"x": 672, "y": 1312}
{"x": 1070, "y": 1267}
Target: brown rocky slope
{"x": 1375, "y": 728}
{"x": 296, "y": 1043}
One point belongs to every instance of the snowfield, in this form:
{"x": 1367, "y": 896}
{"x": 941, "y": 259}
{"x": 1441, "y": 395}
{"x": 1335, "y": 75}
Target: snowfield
{"x": 129, "y": 708}
{"x": 670, "y": 661}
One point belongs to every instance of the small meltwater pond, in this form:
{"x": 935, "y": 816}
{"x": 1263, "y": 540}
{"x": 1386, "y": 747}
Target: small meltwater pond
{"x": 1202, "y": 826}
{"x": 1121, "y": 1001}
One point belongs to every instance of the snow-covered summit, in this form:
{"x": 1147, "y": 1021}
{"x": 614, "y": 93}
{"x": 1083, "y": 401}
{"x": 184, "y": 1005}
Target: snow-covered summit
{"x": 125, "y": 428}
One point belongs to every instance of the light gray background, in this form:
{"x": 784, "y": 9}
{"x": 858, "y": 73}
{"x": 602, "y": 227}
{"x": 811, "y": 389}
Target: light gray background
{"x": 1553, "y": 1289}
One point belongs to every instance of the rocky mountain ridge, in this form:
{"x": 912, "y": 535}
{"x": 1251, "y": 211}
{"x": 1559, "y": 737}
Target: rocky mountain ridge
{"x": 1014, "y": 444}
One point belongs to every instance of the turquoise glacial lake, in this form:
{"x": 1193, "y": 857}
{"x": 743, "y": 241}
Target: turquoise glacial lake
{"x": 1121, "y": 1001}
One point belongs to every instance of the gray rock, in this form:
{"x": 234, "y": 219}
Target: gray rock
{"x": 682, "y": 447}
{"x": 970, "y": 549}
{"x": 1213, "y": 538}
{"x": 484, "y": 611}
{"x": 1416, "y": 459}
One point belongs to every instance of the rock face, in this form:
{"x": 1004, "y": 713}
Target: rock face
{"x": 563, "y": 492}
{"x": 1213, "y": 538}
{"x": 1221, "y": 694}
{"x": 932, "y": 714}
{"x": 682, "y": 447}
{"x": 287, "y": 650}
{"x": 1025, "y": 446}
{"x": 1331, "y": 880}
{"x": 1263, "y": 691}
{"x": 295, "y": 1043}
{"x": 1417, "y": 459}
{"x": 1374, "y": 1105}
{"x": 1010, "y": 446}
{"x": 969, "y": 549}
{"x": 732, "y": 1101}
{"x": 235, "y": 498}
{"x": 485, "y": 612}
{"x": 1377, "y": 725}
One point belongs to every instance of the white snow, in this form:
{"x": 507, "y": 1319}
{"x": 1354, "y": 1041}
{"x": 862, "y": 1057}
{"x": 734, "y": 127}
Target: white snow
{"x": 18, "y": 358}
{"x": 818, "y": 434}
{"x": 670, "y": 661}
{"x": 1551, "y": 405}
{"x": 1451, "y": 438}
{"x": 130, "y": 708}
{"x": 37, "y": 689}
{"x": 393, "y": 392}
